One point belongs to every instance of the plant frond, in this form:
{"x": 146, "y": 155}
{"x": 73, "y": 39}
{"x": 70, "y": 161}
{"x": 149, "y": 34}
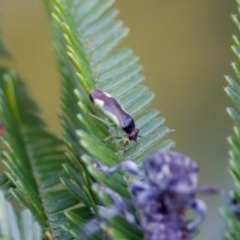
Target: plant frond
{"x": 87, "y": 33}
{"x": 33, "y": 158}
{"x": 91, "y": 32}
{"x": 233, "y": 91}
{"x": 5, "y": 185}
{"x": 17, "y": 227}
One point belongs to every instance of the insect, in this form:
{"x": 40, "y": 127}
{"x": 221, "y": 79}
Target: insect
{"x": 112, "y": 109}
{"x": 163, "y": 199}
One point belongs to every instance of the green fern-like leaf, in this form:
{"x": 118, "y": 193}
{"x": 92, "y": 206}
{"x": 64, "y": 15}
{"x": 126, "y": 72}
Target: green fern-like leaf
{"x": 82, "y": 23}
{"x": 233, "y": 91}
{"x": 87, "y": 32}
{"x": 33, "y": 158}
{"x": 5, "y": 185}
{"x": 12, "y": 226}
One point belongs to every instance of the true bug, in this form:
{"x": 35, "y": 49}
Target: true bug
{"x": 112, "y": 109}
{"x": 163, "y": 199}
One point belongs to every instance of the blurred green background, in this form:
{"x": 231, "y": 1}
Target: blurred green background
{"x": 185, "y": 50}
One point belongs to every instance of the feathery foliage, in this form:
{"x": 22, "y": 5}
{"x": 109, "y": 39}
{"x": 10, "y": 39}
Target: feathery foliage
{"x": 233, "y": 91}
{"x": 38, "y": 163}
{"x": 87, "y": 33}
{"x": 56, "y": 178}
{"x": 17, "y": 227}
{"x": 31, "y": 156}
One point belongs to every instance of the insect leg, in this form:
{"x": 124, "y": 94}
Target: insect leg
{"x": 200, "y": 208}
{"x": 109, "y": 137}
{"x": 127, "y": 144}
{"x": 99, "y": 119}
{"x": 121, "y": 147}
{"x": 136, "y": 147}
{"x": 105, "y": 122}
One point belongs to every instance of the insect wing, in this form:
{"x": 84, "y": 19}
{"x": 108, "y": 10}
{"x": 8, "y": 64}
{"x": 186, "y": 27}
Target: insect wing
{"x": 111, "y": 108}
{"x": 114, "y": 110}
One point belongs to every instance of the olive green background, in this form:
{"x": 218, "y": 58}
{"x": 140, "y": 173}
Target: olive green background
{"x": 185, "y": 50}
